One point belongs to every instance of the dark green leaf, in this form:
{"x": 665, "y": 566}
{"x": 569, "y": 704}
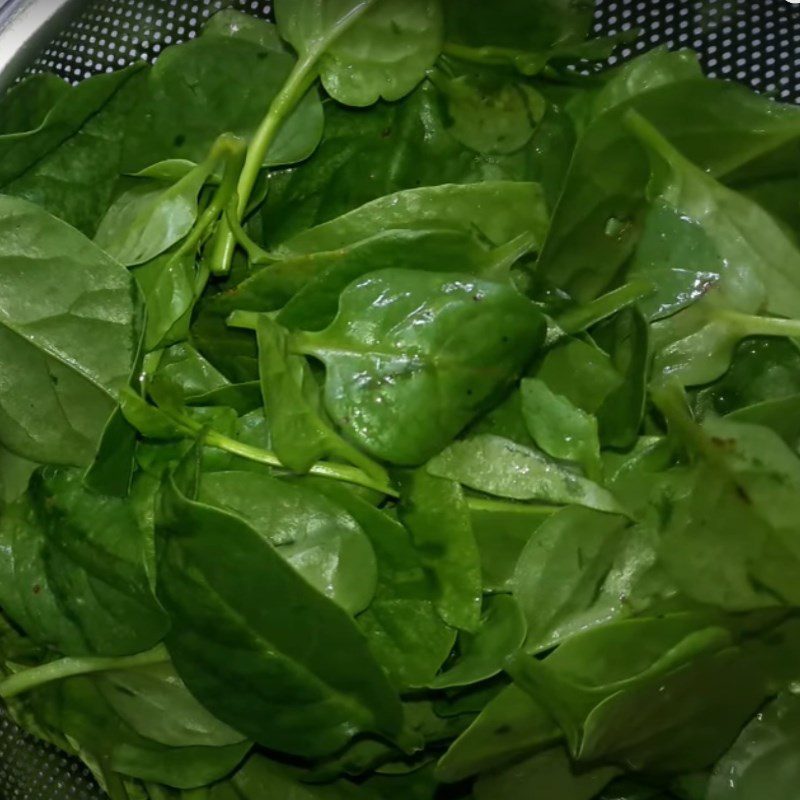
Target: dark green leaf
{"x": 73, "y": 350}
{"x": 413, "y": 357}
{"x": 295, "y": 677}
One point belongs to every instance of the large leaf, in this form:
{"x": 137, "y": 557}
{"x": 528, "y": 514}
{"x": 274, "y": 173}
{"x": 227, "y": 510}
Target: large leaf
{"x": 764, "y": 758}
{"x": 155, "y": 702}
{"x": 76, "y": 708}
{"x": 436, "y": 514}
{"x": 734, "y": 522}
{"x": 320, "y": 540}
{"x": 497, "y": 211}
{"x": 76, "y": 569}
{"x": 70, "y": 325}
{"x": 296, "y": 677}
{"x": 412, "y": 358}
{"x": 400, "y": 146}
{"x": 365, "y": 50}
{"x": 405, "y": 632}
{"x": 498, "y": 466}
{"x": 511, "y": 727}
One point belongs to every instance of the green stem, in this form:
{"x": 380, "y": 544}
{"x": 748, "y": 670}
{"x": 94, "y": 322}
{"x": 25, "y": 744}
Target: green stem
{"x": 231, "y": 150}
{"x": 69, "y": 667}
{"x": 298, "y": 83}
{"x": 300, "y": 80}
{"x": 255, "y": 253}
{"x": 323, "y": 469}
{"x": 754, "y": 325}
{"x": 246, "y": 320}
{"x": 497, "y": 506}
{"x": 579, "y": 319}
{"x": 502, "y": 258}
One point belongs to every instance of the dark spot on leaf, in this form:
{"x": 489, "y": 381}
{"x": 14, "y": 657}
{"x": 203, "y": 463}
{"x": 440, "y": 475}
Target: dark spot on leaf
{"x": 262, "y": 56}
{"x": 506, "y": 340}
{"x": 386, "y": 133}
{"x": 502, "y": 730}
{"x": 724, "y": 444}
{"x": 396, "y": 29}
{"x": 742, "y": 494}
{"x": 469, "y": 392}
{"x": 179, "y": 140}
{"x": 36, "y": 588}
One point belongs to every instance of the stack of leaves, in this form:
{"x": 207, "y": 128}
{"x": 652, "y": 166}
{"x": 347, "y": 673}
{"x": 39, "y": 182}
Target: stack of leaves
{"x": 389, "y": 411}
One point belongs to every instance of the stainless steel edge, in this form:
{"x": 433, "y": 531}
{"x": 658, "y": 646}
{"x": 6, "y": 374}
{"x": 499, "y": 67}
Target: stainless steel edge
{"x": 26, "y": 28}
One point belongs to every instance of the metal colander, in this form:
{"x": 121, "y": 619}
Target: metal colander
{"x": 756, "y": 42}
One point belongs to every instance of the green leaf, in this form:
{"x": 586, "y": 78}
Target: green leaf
{"x": 73, "y": 350}
{"x": 521, "y": 24}
{"x": 319, "y": 539}
{"x": 15, "y": 474}
{"x": 156, "y": 704}
{"x": 563, "y": 578}
{"x": 497, "y": 211}
{"x": 483, "y": 653}
{"x": 169, "y": 286}
{"x": 719, "y": 125}
{"x": 26, "y": 104}
{"x": 580, "y": 372}
{"x": 550, "y": 773}
{"x": 762, "y": 370}
{"x": 666, "y": 694}
{"x": 174, "y": 121}
{"x": 559, "y": 428}
{"x": 501, "y": 531}
{"x": 150, "y": 217}
{"x": 405, "y": 633}
{"x": 401, "y": 146}
{"x": 300, "y": 435}
{"x": 329, "y": 273}
{"x": 260, "y": 675}
{"x": 758, "y": 264}
{"x": 77, "y": 708}
{"x": 43, "y": 112}
{"x": 489, "y": 113}
{"x": 764, "y": 757}
{"x": 500, "y": 467}
{"x": 733, "y": 524}
{"x": 185, "y": 371}
{"x": 511, "y": 727}
{"x": 364, "y": 50}
{"x": 437, "y": 516}
{"x": 412, "y": 358}
{"x": 261, "y": 777}
{"x": 76, "y": 574}
{"x": 626, "y": 339}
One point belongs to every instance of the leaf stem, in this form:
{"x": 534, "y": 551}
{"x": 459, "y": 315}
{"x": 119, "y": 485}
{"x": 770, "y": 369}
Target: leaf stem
{"x": 69, "y": 667}
{"x": 323, "y": 469}
{"x": 300, "y": 80}
{"x": 579, "y": 319}
{"x": 486, "y": 504}
{"x": 754, "y": 325}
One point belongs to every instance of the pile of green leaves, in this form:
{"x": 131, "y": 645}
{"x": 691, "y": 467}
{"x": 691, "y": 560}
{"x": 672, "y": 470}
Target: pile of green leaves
{"x": 389, "y": 411}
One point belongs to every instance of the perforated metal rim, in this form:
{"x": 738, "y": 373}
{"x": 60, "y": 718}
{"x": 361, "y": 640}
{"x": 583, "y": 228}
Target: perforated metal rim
{"x": 111, "y": 34}
{"x": 756, "y": 42}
